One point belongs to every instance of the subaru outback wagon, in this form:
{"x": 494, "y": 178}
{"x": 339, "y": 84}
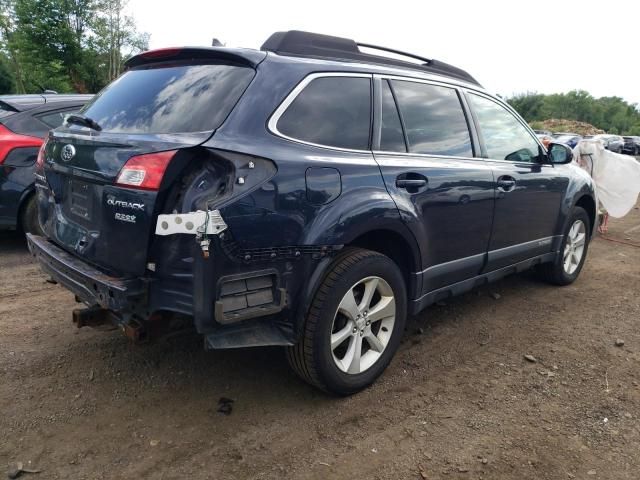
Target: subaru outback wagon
{"x": 307, "y": 195}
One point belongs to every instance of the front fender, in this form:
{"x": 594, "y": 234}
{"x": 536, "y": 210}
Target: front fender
{"x": 580, "y": 185}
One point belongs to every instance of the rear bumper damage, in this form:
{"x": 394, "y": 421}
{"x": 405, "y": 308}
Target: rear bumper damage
{"x": 241, "y": 299}
{"x": 89, "y": 284}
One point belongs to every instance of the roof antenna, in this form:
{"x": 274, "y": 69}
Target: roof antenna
{"x": 216, "y": 43}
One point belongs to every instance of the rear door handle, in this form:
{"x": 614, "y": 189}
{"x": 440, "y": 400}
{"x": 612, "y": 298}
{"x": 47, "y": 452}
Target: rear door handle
{"x": 506, "y": 183}
{"x": 411, "y": 182}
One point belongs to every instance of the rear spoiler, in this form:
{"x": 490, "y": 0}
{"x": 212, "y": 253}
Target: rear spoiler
{"x": 243, "y": 56}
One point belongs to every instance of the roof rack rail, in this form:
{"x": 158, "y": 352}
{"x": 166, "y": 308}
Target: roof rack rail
{"x": 306, "y": 44}
{"x": 426, "y": 61}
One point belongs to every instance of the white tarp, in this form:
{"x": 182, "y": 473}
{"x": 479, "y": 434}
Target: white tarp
{"x": 617, "y": 177}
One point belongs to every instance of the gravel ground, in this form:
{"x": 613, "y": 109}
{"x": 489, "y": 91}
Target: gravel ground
{"x": 459, "y": 401}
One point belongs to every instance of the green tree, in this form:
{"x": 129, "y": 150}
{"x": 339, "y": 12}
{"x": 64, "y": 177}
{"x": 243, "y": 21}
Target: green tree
{"x": 7, "y": 82}
{"x": 611, "y": 114}
{"x": 530, "y": 105}
{"x": 7, "y": 45}
{"x": 117, "y": 38}
{"x": 67, "y": 45}
{"x": 49, "y": 47}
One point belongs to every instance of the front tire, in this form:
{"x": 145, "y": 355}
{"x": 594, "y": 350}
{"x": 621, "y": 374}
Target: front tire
{"x": 573, "y": 251}
{"x": 354, "y": 325}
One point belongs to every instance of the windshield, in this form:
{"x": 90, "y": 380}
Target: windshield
{"x": 170, "y": 99}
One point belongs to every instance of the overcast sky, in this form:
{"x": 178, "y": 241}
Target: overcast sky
{"x": 508, "y": 46}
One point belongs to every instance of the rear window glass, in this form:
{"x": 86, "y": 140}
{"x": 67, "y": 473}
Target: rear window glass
{"x": 331, "y": 111}
{"x": 174, "y": 99}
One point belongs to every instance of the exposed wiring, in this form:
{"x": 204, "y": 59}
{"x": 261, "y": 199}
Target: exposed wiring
{"x": 206, "y": 222}
{"x": 203, "y": 236}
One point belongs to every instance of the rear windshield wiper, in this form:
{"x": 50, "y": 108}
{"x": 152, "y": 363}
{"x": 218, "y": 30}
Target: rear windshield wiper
{"x": 79, "y": 119}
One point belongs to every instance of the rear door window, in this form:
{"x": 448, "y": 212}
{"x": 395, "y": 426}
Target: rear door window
{"x": 331, "y": 111}
{"x": 505, "y": 138}
{"x": 391, "y": 134}
{"x": 433, "y": 119}
{"x": 170, "y": 99}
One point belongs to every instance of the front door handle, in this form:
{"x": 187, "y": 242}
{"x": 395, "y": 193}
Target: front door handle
{"x": 506, "y": 183}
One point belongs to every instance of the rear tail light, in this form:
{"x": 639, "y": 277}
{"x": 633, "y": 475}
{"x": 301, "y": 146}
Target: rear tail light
{"x": 145, "y": 172}
{"x": 10, "y": 140}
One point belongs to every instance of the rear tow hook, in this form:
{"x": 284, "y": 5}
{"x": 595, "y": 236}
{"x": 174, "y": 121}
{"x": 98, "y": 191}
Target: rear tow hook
{"x": 93, "y": 317}
{"x": 135, "y": 331}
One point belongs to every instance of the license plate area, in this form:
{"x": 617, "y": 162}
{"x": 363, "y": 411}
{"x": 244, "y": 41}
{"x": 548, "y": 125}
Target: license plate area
{"x": 79, "y": 201}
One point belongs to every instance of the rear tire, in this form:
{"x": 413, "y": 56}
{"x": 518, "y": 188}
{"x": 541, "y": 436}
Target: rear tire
{"x": 343, "y": 349}
{"x": 573, "y": 251}
{"x": 29, "y": 217}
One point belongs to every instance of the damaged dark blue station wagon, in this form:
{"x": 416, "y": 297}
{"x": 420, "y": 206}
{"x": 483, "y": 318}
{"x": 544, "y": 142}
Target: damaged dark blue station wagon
{"x": 308, "y": 195}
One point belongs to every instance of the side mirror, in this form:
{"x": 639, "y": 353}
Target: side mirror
{"x": 559, "y": 154}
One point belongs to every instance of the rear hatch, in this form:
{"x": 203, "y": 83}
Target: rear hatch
{"x": 101, "y": 188}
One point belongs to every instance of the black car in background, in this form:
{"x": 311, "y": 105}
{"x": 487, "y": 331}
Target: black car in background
{"x": 24, "y": 122}
{"x": 307, "y": 195}
{"x": 631, "y": 145}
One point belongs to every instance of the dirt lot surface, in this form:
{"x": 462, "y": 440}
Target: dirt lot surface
{"x": 459, "y": 401}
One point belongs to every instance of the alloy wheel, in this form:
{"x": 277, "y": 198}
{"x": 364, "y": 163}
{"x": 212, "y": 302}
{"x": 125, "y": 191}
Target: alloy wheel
{"x": 363, "y": 325}
{"x": 574, "y": 247}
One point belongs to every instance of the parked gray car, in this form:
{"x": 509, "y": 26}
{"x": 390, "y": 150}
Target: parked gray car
{"x": 613, "y": 143}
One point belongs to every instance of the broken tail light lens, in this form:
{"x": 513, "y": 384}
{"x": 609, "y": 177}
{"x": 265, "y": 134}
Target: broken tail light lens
{"x": 145, "y": 172}
{"x": 10, "y": 140}
{"x": 40, "y": 158}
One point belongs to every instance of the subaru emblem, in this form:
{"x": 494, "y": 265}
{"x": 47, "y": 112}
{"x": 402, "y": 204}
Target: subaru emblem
{"x": 68, "y": 152}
